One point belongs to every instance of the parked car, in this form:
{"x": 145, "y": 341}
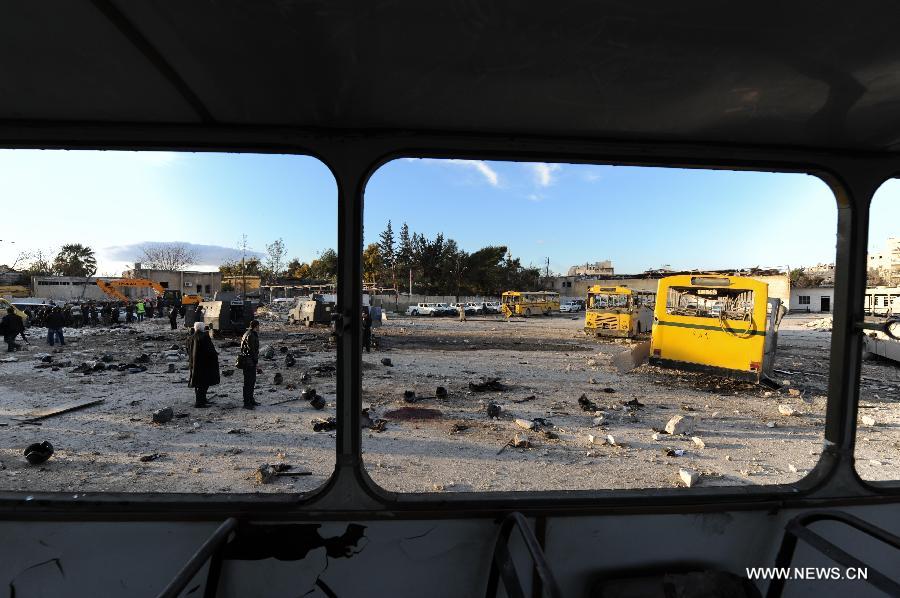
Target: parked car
{"x": 492, "y": 307}
{"x": 569, "y": 306}
{"x": 470, "y": 308}
{"x": 425, "y": 309}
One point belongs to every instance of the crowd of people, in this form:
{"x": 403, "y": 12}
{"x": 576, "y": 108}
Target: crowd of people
{"x": 94, "y": 313}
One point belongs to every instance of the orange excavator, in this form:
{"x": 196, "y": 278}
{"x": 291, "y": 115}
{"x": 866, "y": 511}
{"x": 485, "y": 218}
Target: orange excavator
{"x": 172, "y": 297}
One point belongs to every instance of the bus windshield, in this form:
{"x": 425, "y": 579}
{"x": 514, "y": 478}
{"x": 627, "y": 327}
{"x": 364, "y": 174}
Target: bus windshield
{"x": 730, "y": 304}
{"x": 609, "y": 300}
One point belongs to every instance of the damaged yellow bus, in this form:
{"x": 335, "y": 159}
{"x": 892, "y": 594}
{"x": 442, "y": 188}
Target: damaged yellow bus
{"x": 516, "y": 303}
{"x": 618, "y": 311}
{"x": 724, "y": 325}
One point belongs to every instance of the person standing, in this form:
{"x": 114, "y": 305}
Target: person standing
{"x": 203, "y": 361}
{"x": 160, "y": 307}
{"x": 55, "y": 323}
{"x": 462, "y": 311}
{"x": 249, "y": 359}
{"x": 140, "y": 311}
{"x": 129, "y": 313}
{"x": 367, "y": 330}
{"x": 11, "y": 326}
{"x": 173, "y": 317}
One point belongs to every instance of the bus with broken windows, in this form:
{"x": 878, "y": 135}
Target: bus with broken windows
{"x": 724, "y": 325}
{"x": 618, "y": 311}
{"x": 518, "y": 303}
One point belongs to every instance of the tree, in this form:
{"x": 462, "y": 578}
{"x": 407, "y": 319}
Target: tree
{"x": 252, "y": 267}
{"x": 75, "y": 259}
{"x": 325, "y": 266}
{"x": 275, "y": 258}
{"x": 297, "y": 269}
{"x": 167, "y": 256}
{"x": 372, "y": 264}
{"x": 388, "y": 253}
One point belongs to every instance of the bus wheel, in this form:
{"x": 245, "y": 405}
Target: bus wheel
{"x": 527, "y": 311}
{"x": 639, "y": 327}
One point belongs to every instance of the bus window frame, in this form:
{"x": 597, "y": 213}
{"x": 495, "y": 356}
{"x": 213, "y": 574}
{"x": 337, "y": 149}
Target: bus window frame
{"x": 352, "y": 161}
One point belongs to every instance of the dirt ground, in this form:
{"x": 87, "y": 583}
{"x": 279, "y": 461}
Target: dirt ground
{"x": 746, "y": 440}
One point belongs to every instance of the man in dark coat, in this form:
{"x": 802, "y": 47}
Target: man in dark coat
{"x": 250, "y": 348}
{"x": 173, "y": 317}
{"x": 129, "y": 313}
{"x": 11, "y": 326}
{"x": 366, "y": 330}
{"x": 203, "y": 361}
{"x": 55, "y": 322}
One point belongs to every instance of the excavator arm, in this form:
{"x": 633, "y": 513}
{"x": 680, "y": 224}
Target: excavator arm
{"x": 109, "y": 286}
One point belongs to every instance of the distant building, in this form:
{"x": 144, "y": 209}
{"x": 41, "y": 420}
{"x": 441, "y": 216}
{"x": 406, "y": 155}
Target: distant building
{"x": 67, "y": 288}
{"x": 252, "y": 282}
{"x": 206, "y": 284}
{"x": 812, "y": 299}
{"x": 825, "y": 272}
{"x": 8, "y": 276}
{"x": 604, "y": 268}
{"x": 886, "y": 262}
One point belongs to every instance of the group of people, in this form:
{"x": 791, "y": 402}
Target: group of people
{"x": 12, "y": 326}
{"x": 203, "y": 362}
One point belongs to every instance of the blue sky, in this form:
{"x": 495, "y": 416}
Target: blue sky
{"x": 638, "y": 217}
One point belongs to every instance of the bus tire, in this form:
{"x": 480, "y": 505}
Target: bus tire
{"x": 527, "y": 311}
{"x": 639, "y": 328}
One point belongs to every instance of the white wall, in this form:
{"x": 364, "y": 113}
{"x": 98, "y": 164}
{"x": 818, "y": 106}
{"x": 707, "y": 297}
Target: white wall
{"x": 815, "y": 295}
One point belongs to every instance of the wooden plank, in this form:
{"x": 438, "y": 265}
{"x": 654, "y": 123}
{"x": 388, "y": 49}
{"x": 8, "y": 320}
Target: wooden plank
{"x": 65, "y": 408}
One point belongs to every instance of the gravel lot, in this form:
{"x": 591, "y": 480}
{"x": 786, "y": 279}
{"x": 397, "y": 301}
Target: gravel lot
{"x": 99, "y": 448}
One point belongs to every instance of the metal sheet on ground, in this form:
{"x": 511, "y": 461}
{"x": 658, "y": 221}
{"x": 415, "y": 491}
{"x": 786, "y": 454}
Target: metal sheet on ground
{"x": 51, "y": 411}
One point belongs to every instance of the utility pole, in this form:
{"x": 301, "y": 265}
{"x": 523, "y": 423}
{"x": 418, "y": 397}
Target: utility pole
{"x": 243, "y": 265}
{"x": 410, "y": 283}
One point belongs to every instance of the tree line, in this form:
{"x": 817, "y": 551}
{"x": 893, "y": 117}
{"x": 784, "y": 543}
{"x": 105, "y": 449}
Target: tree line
{"x": 440, "y": 267}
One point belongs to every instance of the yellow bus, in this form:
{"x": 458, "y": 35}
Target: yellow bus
{"x": 516, "y": 303}
{"x": 618, "y": 311}
{"x": 725, "y": 325}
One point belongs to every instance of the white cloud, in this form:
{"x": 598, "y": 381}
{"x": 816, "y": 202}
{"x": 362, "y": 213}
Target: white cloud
{"x": 207, "y": 255}
{"x": 480, "y": 166}
{"x": 543, "y": 173}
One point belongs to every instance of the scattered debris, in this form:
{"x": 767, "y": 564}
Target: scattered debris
{"x": 793, "y": 392}
{"x": 324, "y": 425}
{"x": 494, "y": 410}
{"x": 411, "y": 413}
{"x": 525, "y": 424}
{"x": 238, "y": 431}
{"x": 162, "y": 416}
{"x": 386, "y": 361}
{"x": 868, "y": 420}
{"x": 409, "y": 396}
{"x": 525, "y": 400}
{"x": 38, "y": 452}
{"x": 633, "y": 404}
{"x": 792, "y": 468}
{"x": 148, "y": 458}
{"x": 487, "y": 384}
{"x": 669, "y": 452}
{"x": 689, "y": 477}
{"x": 629, "y": 359}
{"x": 227, "y": 372}
{"x": 520, "y": 440}
{"x": 787, "y": 410}
{"x": 52, "y": 411}
{"x": 289, "y": 361}
{"x": 698, "y": 441}
{"x": 458, "y": 427}
{"x": 586, "y": 404}
{"x": 609, "y": 390}
{"x": 171, "y": 370}
{"x": 770, "y": 425}
{"x": 550, "y": 435}
{"x": 440, "y": 392}
{"x": 681, "y": 424}
{"x": 278, "y": 378}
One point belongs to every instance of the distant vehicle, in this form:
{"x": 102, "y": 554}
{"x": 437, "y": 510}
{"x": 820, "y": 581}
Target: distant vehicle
{"x": 525, "y": 304}
{"x": 471, "y": 309}
{"x": 285, "y": 300}
{"x": 311, "y": 311}
{"x": 492, "y": 307}
{"x": 570, "y": 306}
{"x": 4, "y": 305}
{"x": 425, "y": 309}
